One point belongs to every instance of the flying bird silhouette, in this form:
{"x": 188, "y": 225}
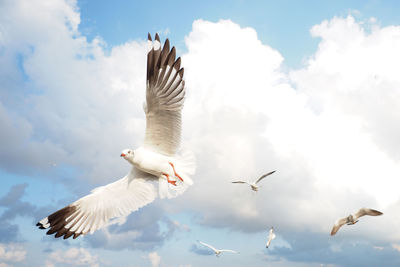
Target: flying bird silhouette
{"x": 157, "y": 160}
{"x": 253, "y": 185}
{"x": 217, "y": 251}
{"x": 270, "y": 236}
{"x": 353, "y": 218}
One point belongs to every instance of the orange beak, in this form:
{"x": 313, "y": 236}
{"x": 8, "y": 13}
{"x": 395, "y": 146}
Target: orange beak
{"x": 123, "y": 155}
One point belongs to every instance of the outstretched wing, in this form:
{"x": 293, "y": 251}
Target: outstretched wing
{"x": 207, "y": 245}
{"x": 95, "y": 210}
{"x": 165, "y": 94}
{"x": 239, "y": 182}
{"x": 364, "y": 211}
{"x": 228, "y": 250}
{"x": 338, "y": 224}
{"x": 265, "y": 175}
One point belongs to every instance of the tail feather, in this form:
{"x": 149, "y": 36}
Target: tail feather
{"x": 185, "y": 166}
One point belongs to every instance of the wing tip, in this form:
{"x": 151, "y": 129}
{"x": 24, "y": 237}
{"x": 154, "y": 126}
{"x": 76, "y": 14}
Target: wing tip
{"x": 166, "y": 44}
{"x": 334, "y": 230}
{"x": 56, "y": 222}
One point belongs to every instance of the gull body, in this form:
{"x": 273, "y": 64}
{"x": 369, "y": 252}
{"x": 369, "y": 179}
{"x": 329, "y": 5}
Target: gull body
{"x": 253, "y": 185}
{"x": 149, "y": 161}
{"x": 217, "y": 251}
{"x": 157, "y": 160}
{"x": 353, "y": 218}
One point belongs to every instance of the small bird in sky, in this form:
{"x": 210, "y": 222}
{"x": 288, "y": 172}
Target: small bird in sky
{"x": 353, "y": 218}
{"x": 157, "y": 160}
{"x": 254, "y": 185}
{"x": 217, "y": 251}
{"x": 270, "y": 237}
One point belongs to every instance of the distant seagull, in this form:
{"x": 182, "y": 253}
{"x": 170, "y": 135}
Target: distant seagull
{"x": 270, "y": 237}
{"x": 253, "y": 185}
{"x": 353, "y": 218}
{"x": 156, "y": 160}
{"x": 217, "y": 251}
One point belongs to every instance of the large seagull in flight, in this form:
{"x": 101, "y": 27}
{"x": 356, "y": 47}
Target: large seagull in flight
{"x": 156, "y": 160}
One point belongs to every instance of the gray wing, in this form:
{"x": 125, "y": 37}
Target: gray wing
{"x": 265, "y": 175}
{"x": 165, "y": 94}
{"x": 338, "y": 224}
{"x": 239, "y": 182}
{"x": 364, "y": 211}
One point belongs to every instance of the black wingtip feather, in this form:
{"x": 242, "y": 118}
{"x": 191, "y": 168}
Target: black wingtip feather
{"x": 61, "y": 232}
{"x": 76, "y": 235}
{"x": 166, "y": 45}
{"x": 171, "y": 56}
{"x": 149, "y": 37}
{"x": 177, "y": 63}
{"x": 57, "y": 222}
{"x": 157, "y": 37}
{"x": 68, "y": 234}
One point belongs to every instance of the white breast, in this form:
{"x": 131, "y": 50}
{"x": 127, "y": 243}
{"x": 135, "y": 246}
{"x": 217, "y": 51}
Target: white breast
{"x": 151, "y": 162}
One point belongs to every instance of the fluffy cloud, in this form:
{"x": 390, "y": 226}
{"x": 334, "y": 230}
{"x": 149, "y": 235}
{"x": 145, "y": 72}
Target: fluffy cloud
{"x": 72, "y": 257}
{"x": 245, "y": 116}
{"x": 311, "y": 247}
{"x": 351, "y": 81}
{"x": 11, "y": 253}
{"x": 154, "y": 259}
{"x": 145, "y": 229}
{"x": 58, "y": 76}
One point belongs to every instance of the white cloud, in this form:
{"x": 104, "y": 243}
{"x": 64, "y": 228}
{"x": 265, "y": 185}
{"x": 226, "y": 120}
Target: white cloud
{"x": 353, "y": 80}
{"x": 244, "y": 117}
{"x": 72, "y": 256}
{"x": 55, "y": 112}
{"x": 154, "y": 259}
{"x": 12, "y": 253}
{"x": 354, "y": 73}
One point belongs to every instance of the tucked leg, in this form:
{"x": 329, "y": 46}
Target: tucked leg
{"x": 169, "y": 181}
{"x": 177, "y": 175}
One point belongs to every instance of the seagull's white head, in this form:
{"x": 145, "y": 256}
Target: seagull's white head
{"x": 127, "y": 154}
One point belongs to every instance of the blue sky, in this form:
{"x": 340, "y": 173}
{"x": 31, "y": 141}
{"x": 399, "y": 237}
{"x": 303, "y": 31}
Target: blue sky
{"x": 307, "y": 88}
{"x": 279, "y": 24}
